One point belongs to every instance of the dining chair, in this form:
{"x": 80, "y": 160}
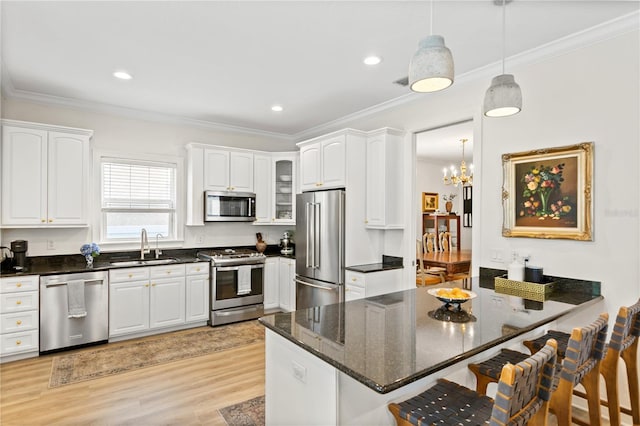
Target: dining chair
{"x": 623, "y": 344}
{"x": 429, "y": 246}
{"x": 426, "y": 276}
{"x": 445, "y": 241}
{"x": 583, "y": 352}
{"x": 522, "y": 398}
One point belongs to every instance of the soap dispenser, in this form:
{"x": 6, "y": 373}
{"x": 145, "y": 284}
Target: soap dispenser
{"x": 515, "y": 270}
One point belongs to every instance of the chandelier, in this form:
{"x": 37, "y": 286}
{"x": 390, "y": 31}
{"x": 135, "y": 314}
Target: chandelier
{"x": 463, "y": 179}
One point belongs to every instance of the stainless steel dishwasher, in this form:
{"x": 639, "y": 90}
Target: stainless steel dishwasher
{"x": 60, "y": 326}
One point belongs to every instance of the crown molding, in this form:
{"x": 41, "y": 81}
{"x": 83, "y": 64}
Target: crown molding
{"x": 601, "y": 32}
{"x": 10, "y": 91}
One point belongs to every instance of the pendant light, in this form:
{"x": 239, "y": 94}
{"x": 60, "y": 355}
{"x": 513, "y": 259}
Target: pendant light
{"x": 504, "y": 97}
{"x": 431, "y": 68}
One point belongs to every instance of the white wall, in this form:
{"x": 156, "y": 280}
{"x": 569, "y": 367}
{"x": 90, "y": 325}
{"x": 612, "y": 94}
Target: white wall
{"x": 429, "y": 179}
{"x": 118, "y": 133}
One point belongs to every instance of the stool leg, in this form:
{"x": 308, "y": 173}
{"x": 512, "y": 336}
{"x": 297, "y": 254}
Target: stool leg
{"x": 395, "y": 410}
{"x": 630, "y": 357}
{"x": 591, "y": 383}
{"x": 482, "y": 381}
{"x": 609, "y": 370}
{"x": 560, "y": 403}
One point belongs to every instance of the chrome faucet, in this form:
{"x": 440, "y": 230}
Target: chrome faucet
{"x": 158, "y": 251}
{"x": 144, "y": 244}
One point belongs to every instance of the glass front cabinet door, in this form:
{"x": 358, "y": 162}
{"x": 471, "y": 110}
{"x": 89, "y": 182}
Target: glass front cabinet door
{"x": 284, "y": 189}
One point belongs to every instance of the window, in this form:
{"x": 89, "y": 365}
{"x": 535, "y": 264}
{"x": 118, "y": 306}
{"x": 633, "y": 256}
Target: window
{"x": 135, "y": 195}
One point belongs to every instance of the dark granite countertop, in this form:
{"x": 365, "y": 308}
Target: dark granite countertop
{"x": 73, "y": 263}
{"x": 389, "y": 341}
{"x": 388, "y": 263}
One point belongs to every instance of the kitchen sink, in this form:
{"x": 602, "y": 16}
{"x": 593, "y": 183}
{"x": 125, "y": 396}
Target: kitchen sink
{"x": 141, "y": 262}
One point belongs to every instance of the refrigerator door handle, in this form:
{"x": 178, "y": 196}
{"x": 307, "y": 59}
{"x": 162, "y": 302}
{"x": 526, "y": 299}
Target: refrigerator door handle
{"x": 317, "y": 248}
{"x": 307, "y": 255}
{"x": 315, "y": 285}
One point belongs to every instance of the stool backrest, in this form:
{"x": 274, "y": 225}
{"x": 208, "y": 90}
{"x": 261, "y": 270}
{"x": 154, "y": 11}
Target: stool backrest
{"x": 524, "y": 389}
{"x": 627, "y": 327}
{"x": 584, "y": 350}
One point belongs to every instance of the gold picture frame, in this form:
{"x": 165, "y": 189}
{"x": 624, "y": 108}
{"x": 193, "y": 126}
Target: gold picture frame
{"x": 547, "y": 193}
{"x": 429, "y": 201}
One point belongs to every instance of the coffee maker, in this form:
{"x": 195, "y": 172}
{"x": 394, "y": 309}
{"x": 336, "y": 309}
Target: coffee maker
{"x": 19, "y": 249}
{"x": 286, "y": 244}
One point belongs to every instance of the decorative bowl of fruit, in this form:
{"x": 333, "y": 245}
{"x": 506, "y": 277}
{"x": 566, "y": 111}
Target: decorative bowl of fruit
{"x": 452, "y": 295}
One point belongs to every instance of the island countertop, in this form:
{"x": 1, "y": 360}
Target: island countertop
{"x": 388, "y": 341}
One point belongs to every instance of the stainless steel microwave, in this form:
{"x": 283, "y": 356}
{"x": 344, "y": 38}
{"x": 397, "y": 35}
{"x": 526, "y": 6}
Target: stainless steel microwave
{"x": 229, "y": 206}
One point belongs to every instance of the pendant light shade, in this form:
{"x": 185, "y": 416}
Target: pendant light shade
{"x": 431, "y": 68}
{"x": 503, "y": 97}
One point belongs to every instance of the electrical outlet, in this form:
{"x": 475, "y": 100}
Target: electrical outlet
{"x": 200, "y": 239}
{"x": 299, "y": 372}
{"x": 51, "y": 245}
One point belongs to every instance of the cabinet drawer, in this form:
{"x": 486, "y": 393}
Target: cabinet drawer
{"x": 128, "y": 274}
{"x": 354, "y": 279}
{"x": 200, "y": 268}
{"x": 13, "y": 343}
{"x": 19, "y": 321}
{"x": 166, "y": 271}
{"x": 25, "y": 283}
{"x": 18, "y": 302}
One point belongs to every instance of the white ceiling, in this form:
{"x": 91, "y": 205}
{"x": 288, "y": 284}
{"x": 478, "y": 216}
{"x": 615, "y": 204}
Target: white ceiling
{"x": 227, "y": 62}
{"x": 443, "y": 144}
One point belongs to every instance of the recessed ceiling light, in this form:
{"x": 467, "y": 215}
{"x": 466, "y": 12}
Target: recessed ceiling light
{"x": 372, "y": 60}
{"x": 122, "y": 75}
{"x": 277, "y": 108}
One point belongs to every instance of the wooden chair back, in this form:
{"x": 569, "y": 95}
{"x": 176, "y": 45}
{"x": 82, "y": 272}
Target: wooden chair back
{"x": 445, "y": 241}
{"x": 524, "y": 389}
{"x": 429, "y": 242}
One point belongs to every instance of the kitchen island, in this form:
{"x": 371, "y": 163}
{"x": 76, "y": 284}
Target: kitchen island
{"x": 343, "y": 363}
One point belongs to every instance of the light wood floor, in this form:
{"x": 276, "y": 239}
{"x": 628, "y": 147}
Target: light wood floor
{"x": 184, "y": 392}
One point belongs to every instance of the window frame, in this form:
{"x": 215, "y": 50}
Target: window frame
{"x": 99, "y": 230}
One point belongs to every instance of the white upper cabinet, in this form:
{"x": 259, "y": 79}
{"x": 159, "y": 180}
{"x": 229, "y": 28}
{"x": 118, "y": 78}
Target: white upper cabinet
{"x": 275, "y": 188}
{"x": 262, "y": 185}
{"x": 384, "y": 179}
{"x": 45, "y": 175}
{"x": 322, "y": 163}
{"x": 226, "y": 170}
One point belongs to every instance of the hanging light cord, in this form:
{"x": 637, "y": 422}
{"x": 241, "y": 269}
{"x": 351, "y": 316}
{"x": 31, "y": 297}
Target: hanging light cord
{"x": 504, "y": 34}
{"x": 431, "y": 17}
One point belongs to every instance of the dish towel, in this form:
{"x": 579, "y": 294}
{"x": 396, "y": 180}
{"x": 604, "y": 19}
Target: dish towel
{"x": 244, "y": 280}
{"x": 75, "y": 299}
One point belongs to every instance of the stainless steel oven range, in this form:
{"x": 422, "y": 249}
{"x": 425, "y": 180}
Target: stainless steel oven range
{"x": 237, "y": 280}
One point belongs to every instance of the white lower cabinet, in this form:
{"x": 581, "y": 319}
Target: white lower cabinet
{"x": 279, "y": 284}
{"x": 359, "y": 285}
{"x": 19, "y": 317}
{"x": 271, "y": 283}
{"x": 287, "y": 273}
{"x": 148, "y": 298}
{"x": 197, "y": 292}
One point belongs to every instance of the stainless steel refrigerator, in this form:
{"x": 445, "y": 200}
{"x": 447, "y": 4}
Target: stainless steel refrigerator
{"x": 319, "y": 248}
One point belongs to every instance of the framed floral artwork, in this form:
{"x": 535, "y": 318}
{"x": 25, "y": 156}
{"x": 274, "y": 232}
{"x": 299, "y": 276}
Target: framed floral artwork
{"x": 547, "y": 193}
{"x": 429, "y": 201}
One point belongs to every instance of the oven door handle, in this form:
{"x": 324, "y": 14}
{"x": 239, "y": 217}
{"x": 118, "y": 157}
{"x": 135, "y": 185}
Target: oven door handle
{"x": 237, "y": 267}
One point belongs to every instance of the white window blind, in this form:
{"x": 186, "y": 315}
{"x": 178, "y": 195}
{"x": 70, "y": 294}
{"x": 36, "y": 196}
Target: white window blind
{"x": 137, "y": 195}
{"x": 137, "y": 186}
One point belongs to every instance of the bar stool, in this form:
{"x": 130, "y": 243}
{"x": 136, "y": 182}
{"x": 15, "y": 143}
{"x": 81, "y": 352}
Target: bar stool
{"x": 584, "y": 350}
{"x": 523, "y": 397}
{"x": 623, "y": 344}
